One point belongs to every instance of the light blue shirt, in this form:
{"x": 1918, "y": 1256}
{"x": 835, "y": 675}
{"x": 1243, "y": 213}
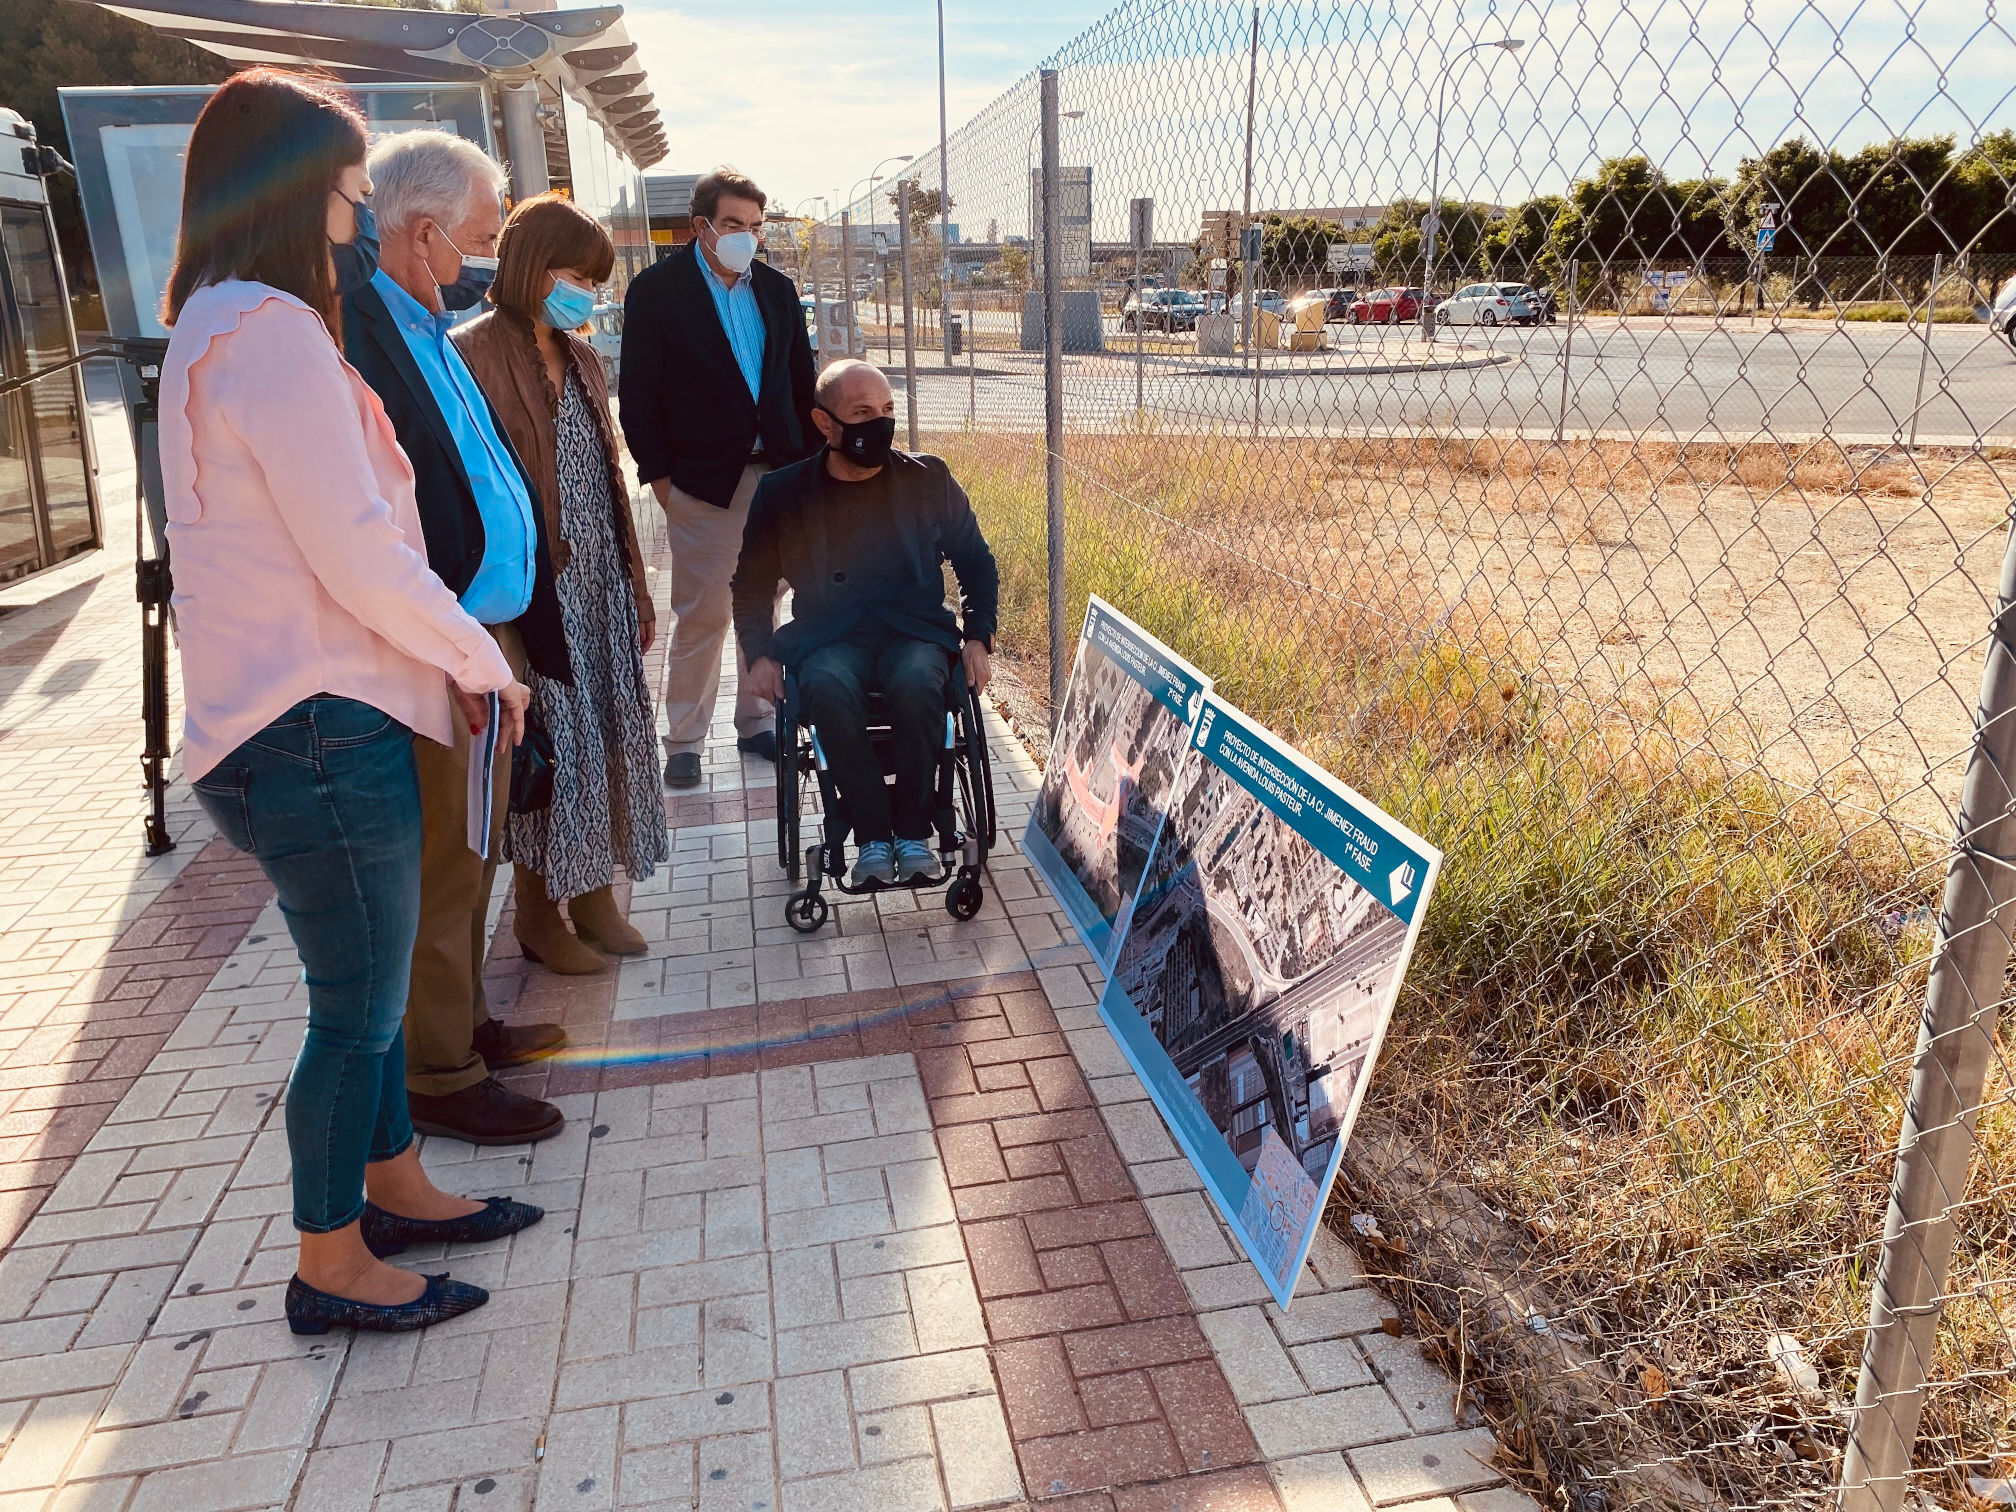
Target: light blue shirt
{"x": 501, "y": 590}
{"x": 736, "y": 305}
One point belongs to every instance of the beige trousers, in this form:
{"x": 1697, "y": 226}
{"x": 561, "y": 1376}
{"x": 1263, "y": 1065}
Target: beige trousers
{"x": 444, "y": 1004}
{"x": 704, "y": 542}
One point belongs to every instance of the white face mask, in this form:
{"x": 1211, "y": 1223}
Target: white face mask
{"x": 736, "y": 250}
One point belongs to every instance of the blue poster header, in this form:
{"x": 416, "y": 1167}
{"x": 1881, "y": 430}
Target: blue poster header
{"x": 1386, "y": 859}
{"x": 1172, "y": 680}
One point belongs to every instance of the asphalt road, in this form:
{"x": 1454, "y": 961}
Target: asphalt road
{"x": 1689, "y": 378}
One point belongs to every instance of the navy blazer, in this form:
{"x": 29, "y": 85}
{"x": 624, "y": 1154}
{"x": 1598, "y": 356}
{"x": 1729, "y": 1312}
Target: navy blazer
{"x": 684, "y": 403}
{"x": 786, "y": 538}
{"x": 449, "y": 519}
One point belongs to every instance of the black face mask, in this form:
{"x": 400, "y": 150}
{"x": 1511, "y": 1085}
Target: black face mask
{"x": 356, "y": 259}
{"x": 865, "y": 443}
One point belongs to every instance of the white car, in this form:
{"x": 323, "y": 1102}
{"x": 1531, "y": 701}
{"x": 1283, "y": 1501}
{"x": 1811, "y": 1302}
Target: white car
{"x": 605, "y": 335}
{"x": 2002, "y": 314}
{"x": 1487, "y": 304}
{"x": 835, "y": 314}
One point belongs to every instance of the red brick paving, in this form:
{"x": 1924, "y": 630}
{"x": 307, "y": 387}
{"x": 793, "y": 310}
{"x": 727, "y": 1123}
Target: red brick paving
{"x": 60, "y": 1083}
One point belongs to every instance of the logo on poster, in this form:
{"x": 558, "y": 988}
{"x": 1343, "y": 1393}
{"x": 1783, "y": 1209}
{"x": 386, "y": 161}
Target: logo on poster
{"x": 1204, "y": 729}
{"x": 1402, "y": 880}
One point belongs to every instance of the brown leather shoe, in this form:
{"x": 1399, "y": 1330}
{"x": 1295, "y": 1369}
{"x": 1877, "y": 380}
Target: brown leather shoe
{"x": 488, "y": 1113}
{"x": 503, "y": 1045}
{"x": 543, "y": 936}
{"x": 599, "y": 921}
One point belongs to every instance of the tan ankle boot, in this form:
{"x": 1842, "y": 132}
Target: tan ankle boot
{"x": 542, "y": 934}
{"x": 596, "y": 917}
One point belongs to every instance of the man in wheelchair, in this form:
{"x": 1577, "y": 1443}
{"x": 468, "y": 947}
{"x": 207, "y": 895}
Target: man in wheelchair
{"x": 860, "y": 531}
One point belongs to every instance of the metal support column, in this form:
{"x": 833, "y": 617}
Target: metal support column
{"x": 1956, "y": 1044}
{"x": 1053, "y": 393}
{"x": 909, "y": 310}
{"x": 847, "y": 283}
{"x": 524, "y": 140}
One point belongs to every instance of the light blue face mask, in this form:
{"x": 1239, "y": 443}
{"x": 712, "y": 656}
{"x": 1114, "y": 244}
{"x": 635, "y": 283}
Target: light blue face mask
{"x": 567, "y": 307}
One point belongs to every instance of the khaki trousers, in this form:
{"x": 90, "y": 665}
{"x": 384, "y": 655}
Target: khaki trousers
{"x": 704, "y": 542}
{"x": 445, "y": 1003}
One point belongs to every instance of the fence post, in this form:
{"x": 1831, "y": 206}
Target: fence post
{"x": 1956, "y": 1039}
{"x": 1053, "y": 393}
{"x": 909, "y": 310}
{"x": 847, "y": 283}
{"x": 1567, "y": 346}
{"x": 1925, "y": 356}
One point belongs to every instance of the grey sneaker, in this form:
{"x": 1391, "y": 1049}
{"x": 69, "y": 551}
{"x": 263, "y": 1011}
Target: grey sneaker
{"x": 915, "y": 858}
{"x": 876, "y": 863}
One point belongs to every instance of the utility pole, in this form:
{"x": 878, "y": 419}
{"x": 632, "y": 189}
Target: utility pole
{"x": 847, "y": 280}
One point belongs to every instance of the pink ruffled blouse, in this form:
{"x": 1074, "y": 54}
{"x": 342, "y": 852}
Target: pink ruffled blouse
{"x": 294, "y": 539}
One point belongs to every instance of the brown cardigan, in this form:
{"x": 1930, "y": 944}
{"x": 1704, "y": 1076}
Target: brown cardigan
{"x": 503, "y": 354}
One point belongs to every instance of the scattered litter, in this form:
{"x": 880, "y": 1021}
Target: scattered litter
{"x": 1366, "y": 1226}
{"x": 1999, "y": 1492}
{"x": 1789, "y": 1356}
{"x": 1538, "y": 1324}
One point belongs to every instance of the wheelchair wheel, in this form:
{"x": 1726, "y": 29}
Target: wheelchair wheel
{"x": 963, "y": 898}
{"x": 977, "y": 775}
{"x": 805, "y": 912}
{"x": 787, "y": 793}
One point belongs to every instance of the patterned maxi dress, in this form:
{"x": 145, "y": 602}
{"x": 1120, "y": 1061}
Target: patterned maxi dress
{"x": 606, "y": 809}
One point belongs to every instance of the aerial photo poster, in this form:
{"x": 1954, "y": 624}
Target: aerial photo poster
{"x": 1125, "y": 734}
{"x": 1257, "y": 974}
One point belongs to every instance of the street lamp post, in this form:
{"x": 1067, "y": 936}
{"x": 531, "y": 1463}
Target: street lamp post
{"x": 813, "y": 227}
{"x": 944, "y": 209}
{"x": 1503, "y": 44}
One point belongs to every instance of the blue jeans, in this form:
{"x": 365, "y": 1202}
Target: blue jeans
{"x": 324, "y": 798}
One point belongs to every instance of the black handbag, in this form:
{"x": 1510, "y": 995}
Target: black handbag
{"x": 532, "y": 769}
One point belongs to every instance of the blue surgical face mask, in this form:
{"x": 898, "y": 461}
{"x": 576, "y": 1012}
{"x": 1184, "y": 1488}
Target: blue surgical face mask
{"x": 356, "y": 259}
{"x": 567, "y": 307}
{"x": 472, "y": 281}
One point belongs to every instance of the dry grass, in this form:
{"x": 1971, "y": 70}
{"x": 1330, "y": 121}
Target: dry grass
{"x": 1683, "y": 720}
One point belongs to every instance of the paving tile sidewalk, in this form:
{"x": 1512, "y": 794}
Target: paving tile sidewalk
{"x": 875, "y": 1219}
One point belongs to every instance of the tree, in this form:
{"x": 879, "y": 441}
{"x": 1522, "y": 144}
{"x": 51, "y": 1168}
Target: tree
{"x": 1515, "y": 247}
{"x": 1015, "y": 268}
{"x": 1397, "y": 250}
{"x": 1808, "y": 188}
{"x": 46, "y": 44}
{"x": 1296, "y": 250}
{"x": 1984, "y": 192}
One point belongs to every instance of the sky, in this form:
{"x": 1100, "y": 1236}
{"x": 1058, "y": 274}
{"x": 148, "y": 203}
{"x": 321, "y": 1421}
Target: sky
{"x": 805, "y": 98}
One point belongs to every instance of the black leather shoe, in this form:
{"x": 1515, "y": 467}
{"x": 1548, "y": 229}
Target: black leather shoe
{"x": 763, "y": 743}
{"x": 683, "y": 770}
{"x": 488, "y": 1113}
{"x": 505, "y": 1045}
{"x": 310, "y": 1311}
{"x": 389, "y": 1234}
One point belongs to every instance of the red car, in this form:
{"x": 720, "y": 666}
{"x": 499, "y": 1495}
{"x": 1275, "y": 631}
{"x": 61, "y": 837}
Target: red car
{"x": 1387, "y": 307}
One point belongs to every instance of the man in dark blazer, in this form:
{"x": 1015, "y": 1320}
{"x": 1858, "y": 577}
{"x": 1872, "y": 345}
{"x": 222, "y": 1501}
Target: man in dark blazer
{"x": 715, "y": 388}
{"x": 436, "y": 198}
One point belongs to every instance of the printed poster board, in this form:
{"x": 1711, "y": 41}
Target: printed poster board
{"x": 1257, "y": 973}
{"x": 1128, "y": 713}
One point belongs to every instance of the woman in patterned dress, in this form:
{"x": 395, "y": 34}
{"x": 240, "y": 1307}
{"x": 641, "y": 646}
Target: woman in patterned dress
{"x": 550, "y": 394}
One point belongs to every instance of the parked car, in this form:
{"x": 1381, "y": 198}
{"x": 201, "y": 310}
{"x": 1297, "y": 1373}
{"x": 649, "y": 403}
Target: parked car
{"x": 1163, "y": 310}
{"x": 605, "y": 335}
{"x": 1487, "y": 304}
{"x": 1387, "y": 307}
{"x": 1336, "y": 304}
{"x": 811, "y": 309}
{"x": 1270, "y": 300}
{"x": 2002, "y": 314}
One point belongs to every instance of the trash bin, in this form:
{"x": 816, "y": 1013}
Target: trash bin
{"x": 957, "y": 330}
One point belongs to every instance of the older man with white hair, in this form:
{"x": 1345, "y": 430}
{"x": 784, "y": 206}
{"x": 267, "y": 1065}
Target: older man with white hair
{"x": 437, "y": 200}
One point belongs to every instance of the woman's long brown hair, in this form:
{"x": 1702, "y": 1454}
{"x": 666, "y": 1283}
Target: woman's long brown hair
{"x": 263, "y": 156}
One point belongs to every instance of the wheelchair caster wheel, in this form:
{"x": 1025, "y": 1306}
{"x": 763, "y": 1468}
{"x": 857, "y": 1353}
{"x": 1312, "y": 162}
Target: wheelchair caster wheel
{"x": 805, "y": 912}
{"x": 962, "y": 899}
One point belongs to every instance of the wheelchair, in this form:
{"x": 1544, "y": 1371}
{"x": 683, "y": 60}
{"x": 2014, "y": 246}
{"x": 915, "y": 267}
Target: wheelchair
{"x": 963, "y": 813}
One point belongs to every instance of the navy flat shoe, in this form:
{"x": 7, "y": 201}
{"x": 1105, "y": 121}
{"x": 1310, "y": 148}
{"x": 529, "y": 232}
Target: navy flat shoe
{"x": 389, "y": 1234}
{"x": 310, "y": 1311}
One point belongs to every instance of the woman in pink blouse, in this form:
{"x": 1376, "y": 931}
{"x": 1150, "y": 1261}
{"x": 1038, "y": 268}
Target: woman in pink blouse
{"x": 315, "y": 642}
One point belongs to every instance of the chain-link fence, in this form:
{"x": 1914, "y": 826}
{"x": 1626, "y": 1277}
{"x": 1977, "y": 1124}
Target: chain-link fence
{"x": 1651, "y": 575}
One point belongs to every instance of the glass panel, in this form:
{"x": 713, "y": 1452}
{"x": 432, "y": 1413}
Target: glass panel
{"x": 52, "y": 404}
{"x": 17, "y": 503}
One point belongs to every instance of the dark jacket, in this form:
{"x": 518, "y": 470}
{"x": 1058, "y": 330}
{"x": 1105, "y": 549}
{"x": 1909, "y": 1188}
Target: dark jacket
{"x": 449, "y": 519}
{"x": 786, "y": 538}
{"x": 503, "y": 353}
{"x": 686, "y": 408}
